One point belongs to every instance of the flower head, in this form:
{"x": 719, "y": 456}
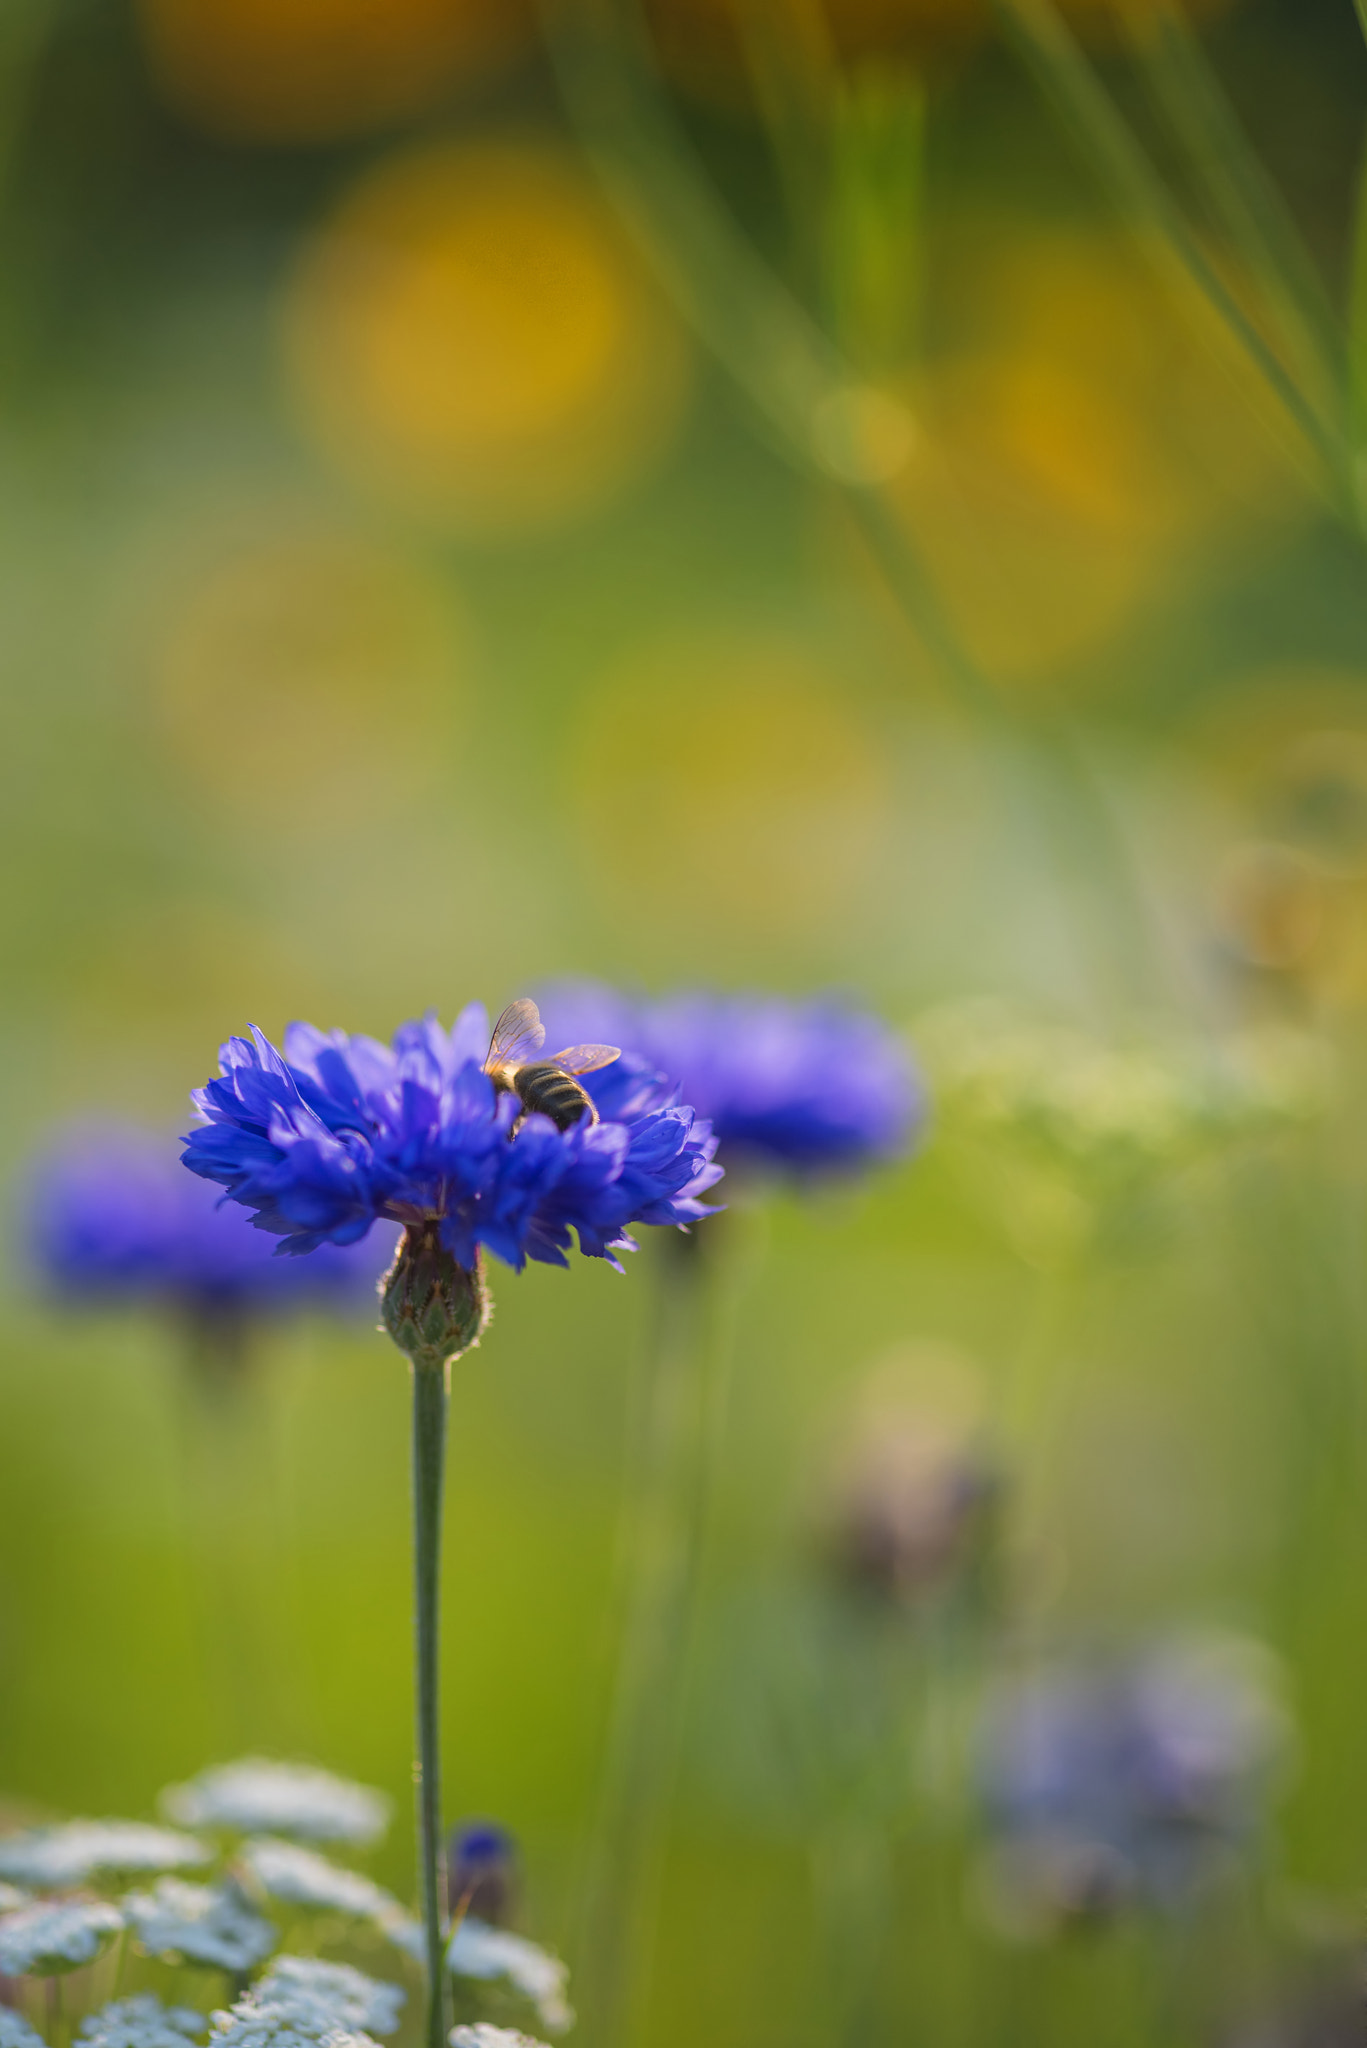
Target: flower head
{"x": 16, "y": 2032}
{"x": 481, "y": 1870}
{"x": 200, "y": 1923}
{"x": 803, "y": 1088}
{"x": 248, "y": 2024}
{"x": 301, "y": 1877}
{"x": 477, "y": 1950}
{"x": 1105, "y": 1785}
{"x": 53, "y": 1858}
{"x": 47, "y": 1940}
{"x": 340, "y": 1132}
{"x": 256, "y": 1796}
{"x": 352, "y": 1999}
{"x": 115, "y": 1218}
{"x": 483, "y": 2035}
{"x": 141, "y": 2023}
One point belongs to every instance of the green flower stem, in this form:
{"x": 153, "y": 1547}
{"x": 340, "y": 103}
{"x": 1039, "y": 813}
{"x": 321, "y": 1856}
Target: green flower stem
{"x": 226, "y": 1506}
{"x": 657, "y": 1555}
{"x": 675, "y": 1442}
{"x": 430, "y": 1388}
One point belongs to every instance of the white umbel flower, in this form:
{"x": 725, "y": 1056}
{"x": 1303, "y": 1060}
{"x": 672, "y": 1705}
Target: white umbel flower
{"x": 478, "y": 1950}
{"x": 257, "y": 1797}
{"x": 352, "y": 1998}
{"x": 482, "y": 2035}
{"x": 141, "y": 2023}
{"x": 202, "y": 1923}
{"x": 301, "y": 1877}
{"x": 53, "y": 1858}
{"x": 46, "y": 1940}
{"x": 249, "y": 2025}
{"x": 16, "y": 2032}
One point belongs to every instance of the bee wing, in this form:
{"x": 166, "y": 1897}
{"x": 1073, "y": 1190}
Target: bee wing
{"x": 585, "y": 1059}
{"x": 518, "y": 1035}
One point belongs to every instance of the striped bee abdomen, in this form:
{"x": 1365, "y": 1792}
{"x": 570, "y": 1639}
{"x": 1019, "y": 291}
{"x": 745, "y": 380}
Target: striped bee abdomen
{"x": 546, "y": 1091}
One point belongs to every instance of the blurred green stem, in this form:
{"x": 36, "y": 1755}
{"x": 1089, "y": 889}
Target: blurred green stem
{"x": 1241, "y": 198}
{"x": 1035, "y": 1405}
{"x": 675, "y": 1442}
{"x": 1051, "y": 52}
{"x": 658, "y": 1547}
{"x": 798, "y": 380}
{"x": 220, "y": 1416}
{"x": 430, "y": 1391}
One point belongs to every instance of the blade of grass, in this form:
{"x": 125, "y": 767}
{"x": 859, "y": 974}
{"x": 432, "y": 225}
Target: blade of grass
{"x": 1053, "y": 55}
{"x": 1241, "y": 197}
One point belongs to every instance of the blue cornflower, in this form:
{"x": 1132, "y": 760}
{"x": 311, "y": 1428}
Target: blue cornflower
{"x": 801, "y": 1087}
{"x": 481, "y": 1871}
{"x": 341, "y": 1132}
{"x": 114, "y": 1217}
{"x": 1130, "y": 1782}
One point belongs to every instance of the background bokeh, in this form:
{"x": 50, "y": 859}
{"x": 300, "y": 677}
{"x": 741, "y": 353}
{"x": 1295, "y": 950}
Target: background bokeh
{"x": 486, "y": 497}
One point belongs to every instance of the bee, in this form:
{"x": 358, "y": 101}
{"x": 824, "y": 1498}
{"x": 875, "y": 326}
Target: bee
{"x": 545, "y": 1087}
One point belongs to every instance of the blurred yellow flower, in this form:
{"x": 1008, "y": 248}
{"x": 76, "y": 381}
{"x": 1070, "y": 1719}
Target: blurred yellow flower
{"x": 311, "y": 672}
{"x": 1084, "y": 443}
{"x": 472, "y": 337}
{"x": 732, "y": 780}
{"x": 272, "y": 71}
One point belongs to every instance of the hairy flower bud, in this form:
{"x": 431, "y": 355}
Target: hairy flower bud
{"x": 433, "y": 1308}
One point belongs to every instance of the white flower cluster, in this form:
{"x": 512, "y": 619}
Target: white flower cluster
{"x": 479, "y": 1950}
{"x": 301, "y": 1877}
{"x": 483, "y": 2035}
{"x": 354, "y": 1999}
{"x": 16, "y": 2032}
{"x": 1083, "y": 1098}
{"x": 202, "y": 1923}
{"x": 49, "y": 1858}
{"x": 141, "y": 2023}
{"x": 11, "y": 1896}
{"x": 249, "y": 2025}
{"x": 301, "y": 2003}
{"x": 257, "y": 1797}
{"x": 46, "y": 1940}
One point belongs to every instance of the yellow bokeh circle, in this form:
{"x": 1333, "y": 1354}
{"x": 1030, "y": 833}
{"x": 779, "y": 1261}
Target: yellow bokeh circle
{"x": 310, "y": 673}
{"x": 1088, "y": 443}
{"x": 306, "y": 71}
{"x": 735, "y": 781}
{"x": 472, "y": 337}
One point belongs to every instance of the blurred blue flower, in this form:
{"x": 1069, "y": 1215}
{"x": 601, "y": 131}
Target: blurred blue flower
{"x": 481, "y": 1865}
{"x": 805, "y": 1087}
{"x": 343, "y": 1131}
{"x": 114, "y": 1216}
{"x": 1105, "y": 1785}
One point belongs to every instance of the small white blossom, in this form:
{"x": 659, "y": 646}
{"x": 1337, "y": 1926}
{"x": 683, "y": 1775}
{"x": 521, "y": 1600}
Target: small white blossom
{"x": 257, "y": 1797}
{"x": 352, "y": 1998}
{"x": 249, "y": 2025}
{"x": 11, "y": 1896}
{"x": 45, "y": 1940}
{"x": 60, "y": 1856}
{"x": 478, "y": 1950}
{"x": 16, "y": 2032}
{"x": 141, "y": 2023}
{"x": 210, "y": 1924}
{"x": 482, "y": 2035}
{"x": 301, "y": 1877}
